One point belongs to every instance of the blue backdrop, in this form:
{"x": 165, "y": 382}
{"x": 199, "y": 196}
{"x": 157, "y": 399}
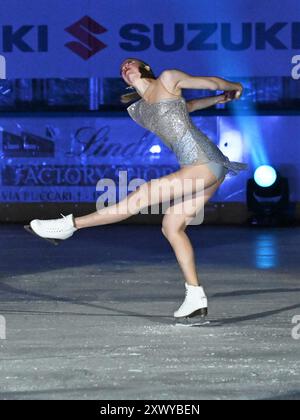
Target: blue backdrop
{"x": 59, "y": 158}
{"x": 62, "y": 159}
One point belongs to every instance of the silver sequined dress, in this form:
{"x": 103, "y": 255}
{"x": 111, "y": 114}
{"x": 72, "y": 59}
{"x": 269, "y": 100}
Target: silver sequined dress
{"x": 169, "y": 119}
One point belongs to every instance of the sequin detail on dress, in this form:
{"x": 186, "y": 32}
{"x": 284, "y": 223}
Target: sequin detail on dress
{"x": 169, "y": 119}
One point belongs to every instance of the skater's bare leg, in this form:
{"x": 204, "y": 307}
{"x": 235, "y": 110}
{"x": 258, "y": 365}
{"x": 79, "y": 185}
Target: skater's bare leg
{"x": 173, "y": 228}
{"x": 150, "y": 193}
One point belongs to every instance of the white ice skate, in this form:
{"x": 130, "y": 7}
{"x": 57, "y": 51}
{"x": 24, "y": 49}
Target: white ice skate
{"x": 53, "y": 230}
{"x": 194, "y": 304}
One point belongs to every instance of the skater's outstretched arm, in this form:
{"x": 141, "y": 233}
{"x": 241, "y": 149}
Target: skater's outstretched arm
{"x": 182, "y": 80}
{"x": 202, "y": 103}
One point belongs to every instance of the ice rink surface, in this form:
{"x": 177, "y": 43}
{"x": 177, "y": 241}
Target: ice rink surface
{"x": 93, "y": 317}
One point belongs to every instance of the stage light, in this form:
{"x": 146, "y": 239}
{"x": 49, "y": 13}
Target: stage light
{"x": 265, "y": 176}
{"x": 268, "y": 198}
{"x": 155, "y": 149}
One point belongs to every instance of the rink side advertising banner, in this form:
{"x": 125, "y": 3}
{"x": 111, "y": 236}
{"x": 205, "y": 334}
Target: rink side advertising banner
{"x": 76, "y": 38}
{"x": 50, "y": 159}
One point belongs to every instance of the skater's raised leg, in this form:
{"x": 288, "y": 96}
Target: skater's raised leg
{"x": 184, "y": 182}
{"x": 151, "y": 193}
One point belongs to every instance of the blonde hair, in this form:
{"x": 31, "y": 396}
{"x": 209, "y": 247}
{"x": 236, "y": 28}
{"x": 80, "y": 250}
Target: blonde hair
{"x": 128, "y": 97}
{"x": 146, "y": 72}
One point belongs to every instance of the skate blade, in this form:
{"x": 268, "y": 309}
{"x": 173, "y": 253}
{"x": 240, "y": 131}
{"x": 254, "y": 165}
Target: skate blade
{"x": 52, "y": 241}
{"x": 201, "y": 312}
{"x": 189, "y": 320}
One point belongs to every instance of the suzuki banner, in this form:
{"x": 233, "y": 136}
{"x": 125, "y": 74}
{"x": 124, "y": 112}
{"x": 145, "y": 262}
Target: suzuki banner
{"x": 76, "y": 38}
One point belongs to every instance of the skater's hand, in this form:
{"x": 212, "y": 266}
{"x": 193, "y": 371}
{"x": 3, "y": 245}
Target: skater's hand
{"x": 230, "y": 95}
{"x": 227, "y": 96}
{"x": 239, "y": 91}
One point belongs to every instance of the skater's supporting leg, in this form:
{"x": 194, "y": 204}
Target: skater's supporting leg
{"x": 173, "y": 228}
{"x": 174, "y": 224}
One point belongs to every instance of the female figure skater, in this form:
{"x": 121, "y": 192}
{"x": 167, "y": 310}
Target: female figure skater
{"x": 162, "y": 110}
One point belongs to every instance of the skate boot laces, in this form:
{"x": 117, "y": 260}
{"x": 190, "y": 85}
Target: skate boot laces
{"x": 58, "y": 225}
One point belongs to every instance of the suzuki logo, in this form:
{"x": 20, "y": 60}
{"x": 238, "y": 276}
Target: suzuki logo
{"x": 83, "y": 30}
